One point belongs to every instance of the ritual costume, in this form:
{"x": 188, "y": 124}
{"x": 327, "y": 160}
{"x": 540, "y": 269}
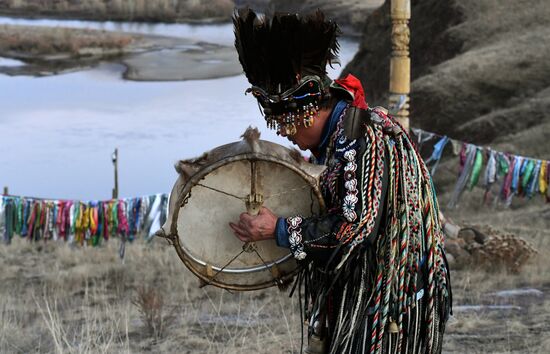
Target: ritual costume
{"x": 373, "y": 277}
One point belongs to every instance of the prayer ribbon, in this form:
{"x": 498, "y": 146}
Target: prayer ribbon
{"x": 518, "y": 164}
{"x": 490, "y": 175}
{"x": 476, "y": 169}
{"x": 534, "y": 182}
{"x": 422, "y": 137}
{"x": 468, "y": 153}
{"x": 457, "y": 146}
{"x": 543, "y": 177}
{"x": 490, "y": 170}
{"x": 507, "y": 184}
{"x": 437, "y": 152}
{"x": 526, "y": 175}
{"x": 81, "y": 222}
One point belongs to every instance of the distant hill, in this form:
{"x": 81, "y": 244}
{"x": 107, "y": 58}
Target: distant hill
{"x": 349, "y": 14}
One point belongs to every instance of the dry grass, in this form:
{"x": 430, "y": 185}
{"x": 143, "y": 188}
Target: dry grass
{"x": 28, "y": 40}
{"x": 59, "y": 299}
{"x": 502, "y": 331}
{"x": 122, "y": 10}
{"x": 153, "y": 310}
{"x": 56, "y": 298}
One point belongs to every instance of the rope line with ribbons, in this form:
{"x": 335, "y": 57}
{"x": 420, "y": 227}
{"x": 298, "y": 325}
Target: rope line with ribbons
{"x": 81, "y": 222}
{"x": 519, "y": 175}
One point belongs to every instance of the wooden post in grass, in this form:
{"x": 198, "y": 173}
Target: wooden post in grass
{"x": 400, "y": 65}
{"x": 115, "y": 163}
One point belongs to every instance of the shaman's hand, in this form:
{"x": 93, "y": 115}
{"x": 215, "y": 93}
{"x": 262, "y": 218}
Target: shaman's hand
{"x": 255, "y": 228}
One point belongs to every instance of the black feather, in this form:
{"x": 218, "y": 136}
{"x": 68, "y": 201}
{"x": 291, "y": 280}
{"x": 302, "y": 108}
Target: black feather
{"x": 275, "y": 52}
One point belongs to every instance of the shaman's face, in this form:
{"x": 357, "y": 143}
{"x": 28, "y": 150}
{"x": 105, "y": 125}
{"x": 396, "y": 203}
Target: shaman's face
{"x": 308, "y": 138}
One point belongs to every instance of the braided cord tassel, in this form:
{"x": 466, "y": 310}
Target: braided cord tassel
{"x": 430, "y": 260}
{"x": 375, "y": 344}
{"x": 362, "y": 289}
{"x": 404, "y": 211}
{"x": 417, "y": 234}
{"x": 368, "y": 166}
{"x": 391, "y": 231}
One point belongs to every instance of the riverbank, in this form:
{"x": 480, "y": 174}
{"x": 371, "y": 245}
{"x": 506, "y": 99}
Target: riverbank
{"x": 122, "y": 10}
{"x": 49, "y": 51}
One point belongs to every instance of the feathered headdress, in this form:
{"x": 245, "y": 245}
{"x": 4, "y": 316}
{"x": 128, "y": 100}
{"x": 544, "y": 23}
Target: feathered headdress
{"x": 276, "y": 52}
{"x": 285, "y": 58}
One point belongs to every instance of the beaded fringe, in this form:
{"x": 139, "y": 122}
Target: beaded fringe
{"x": 373, "y": 297}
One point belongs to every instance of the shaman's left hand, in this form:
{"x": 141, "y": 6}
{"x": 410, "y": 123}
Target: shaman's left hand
{"x": 255, "y": 228}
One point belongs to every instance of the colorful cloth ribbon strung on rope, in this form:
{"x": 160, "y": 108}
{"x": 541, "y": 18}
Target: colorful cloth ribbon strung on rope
{"x": 490, "y": 170}
{"x": 491, "y": 174}
{"x": 422, "y": 137}
{"x": 436, "y": 154}
{"x": 543, "y": 177}
{"x": 468, "y": 155}
{"x": 79, "y": 222}
{"x": 532, "y": 185}
{"x": 521, "y": 176}
{"x": 476, "y": 169}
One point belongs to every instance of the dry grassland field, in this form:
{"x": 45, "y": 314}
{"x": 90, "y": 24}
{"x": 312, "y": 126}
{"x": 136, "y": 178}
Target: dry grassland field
{"x": 482, "y": 81}
{"x": 58, "y": 298}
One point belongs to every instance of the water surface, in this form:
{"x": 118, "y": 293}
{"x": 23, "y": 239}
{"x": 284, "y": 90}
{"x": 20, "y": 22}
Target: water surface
{"x": 58, "y": 132}
{"x": 10, "y": 62}
{"x": 213, "y": 33}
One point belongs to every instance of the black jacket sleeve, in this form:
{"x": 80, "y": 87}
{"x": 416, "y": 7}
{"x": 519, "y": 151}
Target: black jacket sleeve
{"x": 360, "y": 185}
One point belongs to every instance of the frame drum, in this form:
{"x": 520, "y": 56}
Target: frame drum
{"x": 216, "y": 188}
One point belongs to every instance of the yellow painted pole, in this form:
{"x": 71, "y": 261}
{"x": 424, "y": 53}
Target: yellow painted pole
{"x": 400, "y": 65}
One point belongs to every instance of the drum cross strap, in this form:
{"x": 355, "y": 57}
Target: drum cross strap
{"x": 216, "y": 188}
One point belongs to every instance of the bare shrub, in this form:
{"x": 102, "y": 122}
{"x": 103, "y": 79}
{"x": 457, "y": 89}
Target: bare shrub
{"x": 152, "y": 308}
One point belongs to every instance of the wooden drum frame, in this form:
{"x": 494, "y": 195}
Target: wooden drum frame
{"x": 223, "y": 183}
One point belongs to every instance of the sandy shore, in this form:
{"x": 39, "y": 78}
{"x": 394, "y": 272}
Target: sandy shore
{"x": 197, "y": 61}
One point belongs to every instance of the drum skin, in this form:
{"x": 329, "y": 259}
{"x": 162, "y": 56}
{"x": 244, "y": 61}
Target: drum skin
{"x": 216, "y": 188}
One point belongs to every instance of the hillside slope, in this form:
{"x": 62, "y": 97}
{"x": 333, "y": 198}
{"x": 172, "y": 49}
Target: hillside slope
{"x": 479, "y": 74}
{"x": 349, "y": 14}
{"x": 479, "y": 70}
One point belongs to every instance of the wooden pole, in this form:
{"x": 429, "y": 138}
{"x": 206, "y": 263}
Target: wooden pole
{"x": 400, "y": 65}
{"x": 115, "y": 163}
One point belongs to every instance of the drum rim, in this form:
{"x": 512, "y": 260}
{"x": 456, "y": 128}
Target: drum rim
{"x": 191, "y": 262}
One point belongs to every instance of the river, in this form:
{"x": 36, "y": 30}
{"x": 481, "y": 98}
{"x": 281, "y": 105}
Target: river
{"x": 58, "y": 132}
